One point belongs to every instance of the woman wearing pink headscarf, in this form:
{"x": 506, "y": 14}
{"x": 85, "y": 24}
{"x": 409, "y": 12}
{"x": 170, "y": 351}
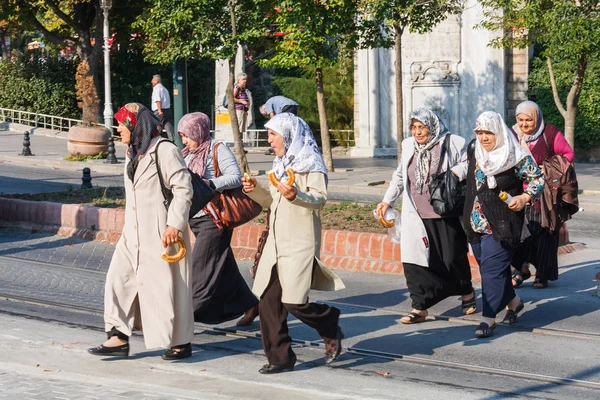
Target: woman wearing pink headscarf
{"x": 542, "y": 141}
{"x": 220, "y": 293}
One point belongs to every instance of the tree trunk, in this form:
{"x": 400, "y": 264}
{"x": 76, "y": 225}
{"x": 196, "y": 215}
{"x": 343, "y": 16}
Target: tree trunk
{"x": 570, "y": 126}
{"x": 399, "y": 99}
{"x": 238, "y": 148}
{"x": 569, "y": 112}
{"x": 325, "y": 139}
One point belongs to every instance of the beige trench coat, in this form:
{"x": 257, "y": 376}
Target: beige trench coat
{"x": 294, "y": 240}
{"x": 142, "y": 290}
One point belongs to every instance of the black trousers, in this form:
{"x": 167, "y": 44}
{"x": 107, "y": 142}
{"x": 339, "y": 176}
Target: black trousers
{"x": 276, "y": 341}
{"x": 167, "y": 122}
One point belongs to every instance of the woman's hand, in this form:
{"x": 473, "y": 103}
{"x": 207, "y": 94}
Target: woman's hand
{"x": 170, "y": 236}
{"x": 382, "y": 208}
{"x": 247, "y": 187}
{"x": 519, "y": 202}
{"x": 287, "y": 191}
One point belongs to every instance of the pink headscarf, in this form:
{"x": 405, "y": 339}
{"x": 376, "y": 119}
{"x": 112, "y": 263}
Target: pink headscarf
{"x": 196, "y": 126}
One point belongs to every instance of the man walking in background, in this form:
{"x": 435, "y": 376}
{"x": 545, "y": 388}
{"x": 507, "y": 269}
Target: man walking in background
{"x": 161, "y": 106}
{"x": 277, "y": 105}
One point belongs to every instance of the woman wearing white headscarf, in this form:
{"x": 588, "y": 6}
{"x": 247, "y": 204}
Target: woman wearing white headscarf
{"x": 542, "y": 141}
{"x": 433, "y": 249}
{"x": 495, "y": 227}
{"x": 289, "y": 266}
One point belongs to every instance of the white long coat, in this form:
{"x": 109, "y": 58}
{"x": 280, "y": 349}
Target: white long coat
{"x": 414, "y": 247}
{"x": 142, "y": 290}
{"x": 294, "y": 240}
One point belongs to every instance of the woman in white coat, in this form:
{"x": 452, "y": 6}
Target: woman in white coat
{"x": 433, "y": 249}
{"x": 289, "y": 266}
{"x": 142, "y": 288}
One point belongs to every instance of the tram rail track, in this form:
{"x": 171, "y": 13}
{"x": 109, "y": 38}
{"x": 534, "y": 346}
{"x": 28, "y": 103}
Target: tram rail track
{"x": 396, "y": 357}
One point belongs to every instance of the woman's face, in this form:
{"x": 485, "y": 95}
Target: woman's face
{"x": 276, "y": 142}
{"x": 487, "y": 140}
{"x": 526, "y": 124}
{"x": 189, "y": 143}
{"x": 419, "y": 131}
{"x": 125, "y": 134}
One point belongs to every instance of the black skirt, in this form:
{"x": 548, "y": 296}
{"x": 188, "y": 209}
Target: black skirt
{"x": 220, "y": 291}
{"x": 449, "y": 272}
{"x": 539, "y": 249}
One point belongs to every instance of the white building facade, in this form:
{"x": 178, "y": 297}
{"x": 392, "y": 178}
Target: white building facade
{"x": 451, "y": 70}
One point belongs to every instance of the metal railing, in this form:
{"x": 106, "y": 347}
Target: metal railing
{"x": 39, "y": 120}
{"x": 251, "y": 137}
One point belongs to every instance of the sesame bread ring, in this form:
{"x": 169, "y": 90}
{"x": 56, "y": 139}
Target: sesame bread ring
{"x": 177, "y": 256}
{"x": 385, "y": 222}
{"x": 249, "y": 179}
{"x": 275, "y": 182}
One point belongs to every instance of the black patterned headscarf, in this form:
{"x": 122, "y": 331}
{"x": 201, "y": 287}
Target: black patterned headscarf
{"x": 144, "y": 127}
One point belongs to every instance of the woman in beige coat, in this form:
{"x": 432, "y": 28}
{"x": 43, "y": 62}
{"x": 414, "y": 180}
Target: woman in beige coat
{"x": 289, "y": 266}
{"x": 142, "y": 290}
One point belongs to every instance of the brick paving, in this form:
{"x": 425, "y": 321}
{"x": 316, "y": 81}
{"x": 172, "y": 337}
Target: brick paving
{"x": 52, "y": 283}
{"x": 45, "y": 247}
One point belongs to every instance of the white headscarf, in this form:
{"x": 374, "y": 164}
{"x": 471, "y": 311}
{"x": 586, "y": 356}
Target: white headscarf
{"x": 506, "y": 154}
{"x": 302, "y": 153}
{"x": 437, "y": 130}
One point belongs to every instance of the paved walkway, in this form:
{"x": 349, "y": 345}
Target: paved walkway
{"x": 564, "y": 318}
{"x": 365, "y": 179}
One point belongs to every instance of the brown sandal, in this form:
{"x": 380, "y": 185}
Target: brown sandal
{"x": 413, "y": 318}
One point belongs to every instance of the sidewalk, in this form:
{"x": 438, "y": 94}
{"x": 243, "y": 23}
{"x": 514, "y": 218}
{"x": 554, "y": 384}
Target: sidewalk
{"x": 354, "y": 179}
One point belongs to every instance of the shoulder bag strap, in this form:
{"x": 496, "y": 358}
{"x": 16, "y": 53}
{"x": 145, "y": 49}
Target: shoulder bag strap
{"x": 443, "y": 151}
{"x": 550, "y": 149}
{"x": 216, "y": 160}
{"x": 165, "y": 191}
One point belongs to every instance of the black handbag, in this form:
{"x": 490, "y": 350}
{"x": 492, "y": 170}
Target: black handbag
{"x": 202, "y": 192}
{"x": 447, "y": 193}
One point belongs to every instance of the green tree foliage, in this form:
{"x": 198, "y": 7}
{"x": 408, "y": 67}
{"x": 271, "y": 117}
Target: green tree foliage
{"x": 338, "y": 88}
{"x": 587, "y": 124}
{"x": 319, "y": 34}
{"x": 205, "y": 29}
{"x": 567, "y": 30}
{"x": 384, "y": 22}
{"x": 45, "y": 86}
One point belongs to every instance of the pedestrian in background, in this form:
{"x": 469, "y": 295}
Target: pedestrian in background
{"x": 241, "y": 100}
{"x": 220, "y": 293}
{"x": 542, "y": 141}
{"x": 161, "y": 106}
{"x": 494, "y": 224}
{"x": 289, "y": 266}
{"x": 142, "y": 288}
{"x": 277, "y": 105}
{"x": 433, "y": 249}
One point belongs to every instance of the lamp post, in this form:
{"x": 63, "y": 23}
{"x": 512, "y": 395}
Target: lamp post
{"x": 108, "y": 110}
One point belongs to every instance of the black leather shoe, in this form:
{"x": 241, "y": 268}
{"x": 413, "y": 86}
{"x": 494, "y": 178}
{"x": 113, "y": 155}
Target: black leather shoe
{"x": 114, "y": 351}
{"x": 333, "y": 347}
{"x": 178, "y": 352}
{"x": 275, "y": 369}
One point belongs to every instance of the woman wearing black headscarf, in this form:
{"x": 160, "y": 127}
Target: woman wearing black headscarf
{"x": 140, "y": 285}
